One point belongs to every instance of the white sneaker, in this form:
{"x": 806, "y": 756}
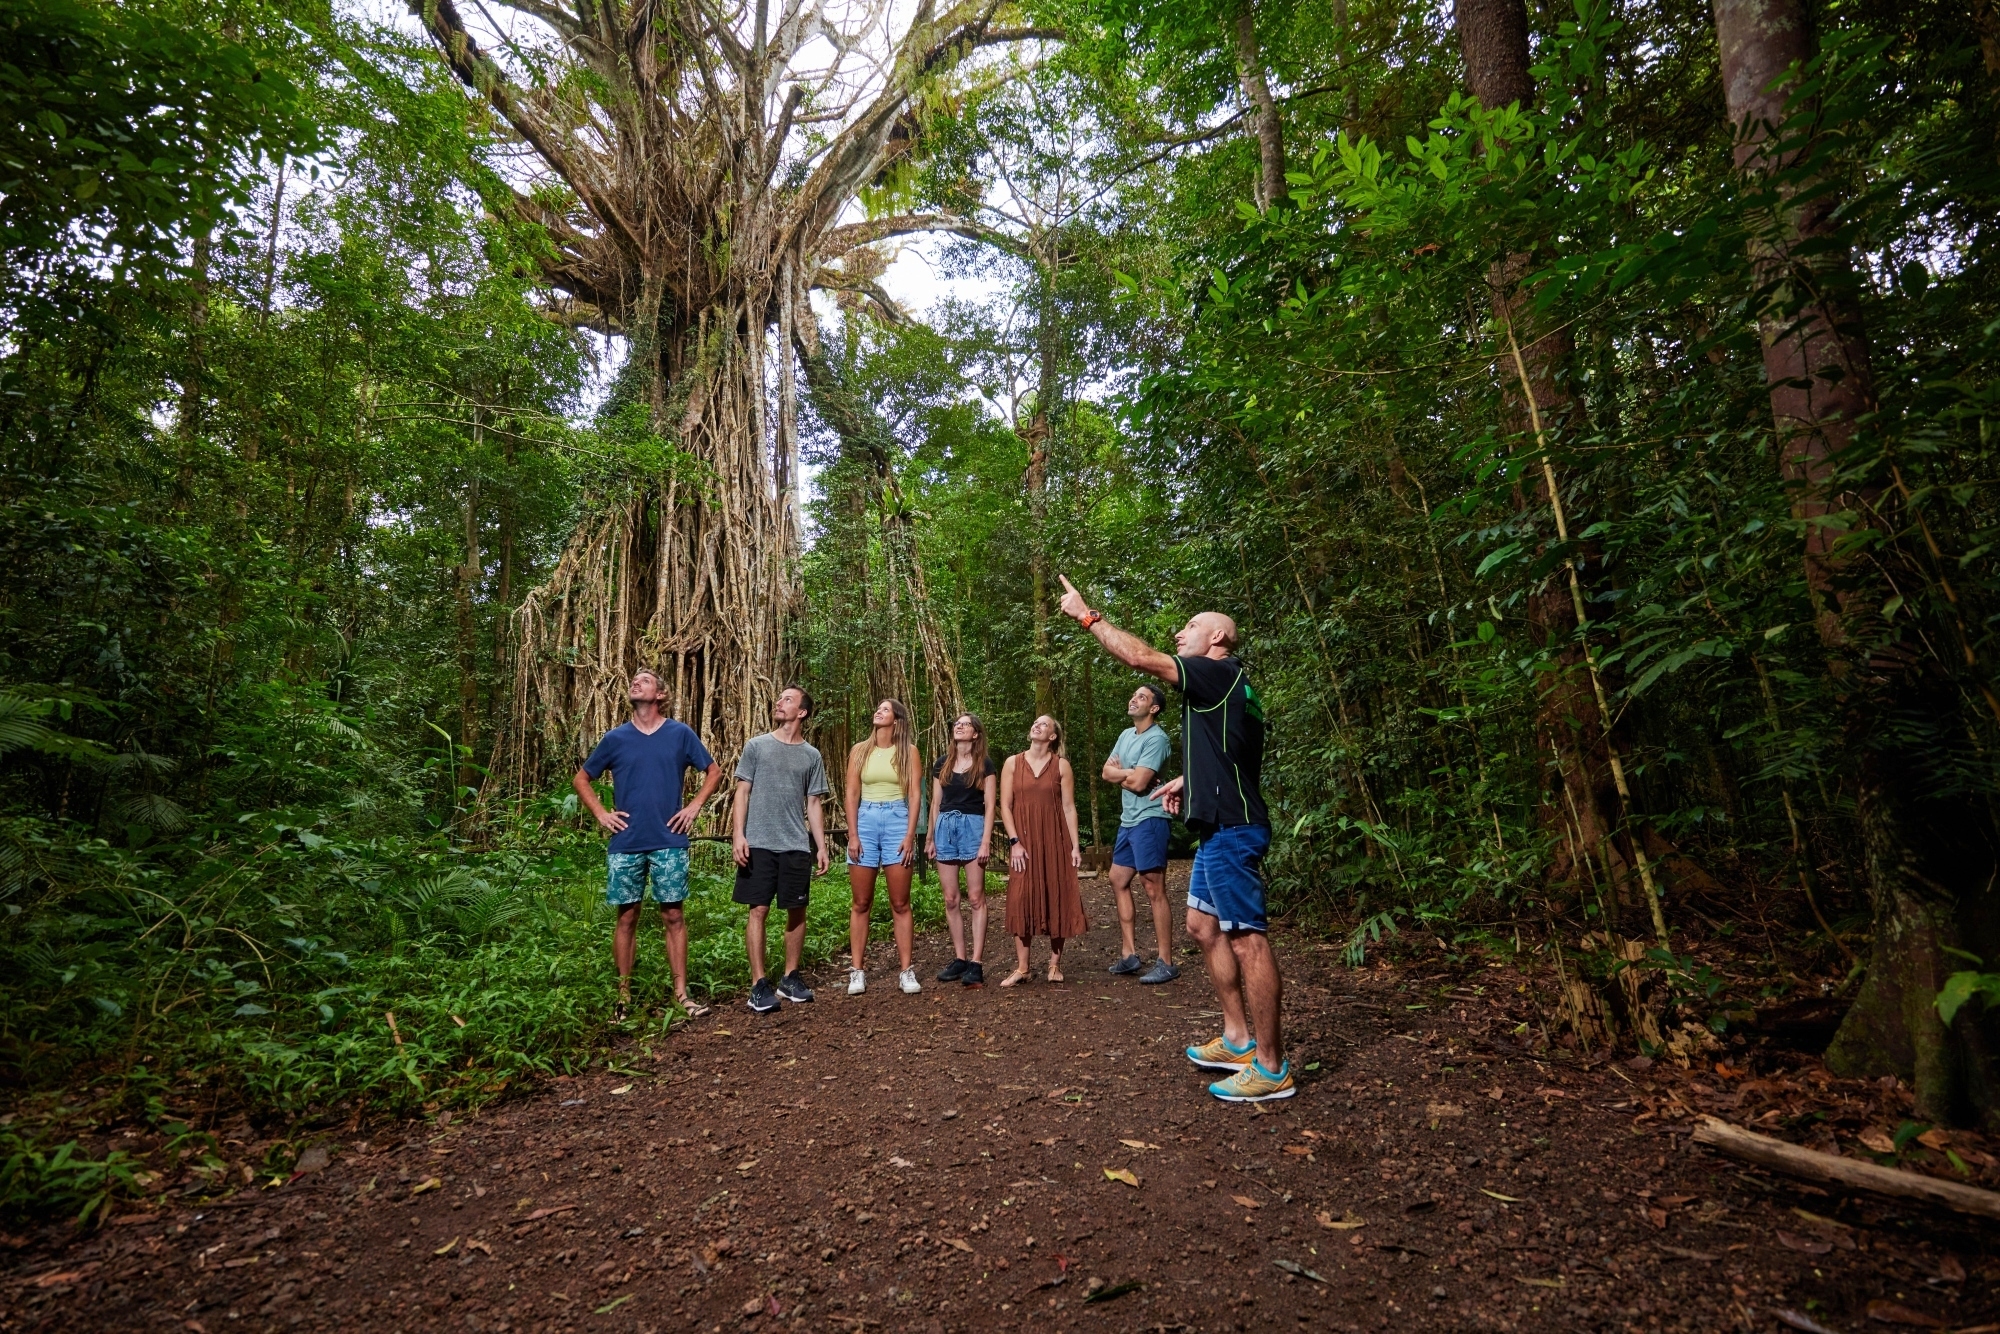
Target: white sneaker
{"x": 857, "y": 981}
{"x": 908, "y": 982}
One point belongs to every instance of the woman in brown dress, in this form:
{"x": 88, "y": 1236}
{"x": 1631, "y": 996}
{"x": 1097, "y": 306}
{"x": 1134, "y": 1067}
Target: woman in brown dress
{"x": 1038, "y": 806}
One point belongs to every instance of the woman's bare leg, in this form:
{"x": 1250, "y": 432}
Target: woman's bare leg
{"x": 975, "y": 890}
{"x": 861, "y": 881}
{"x": 1020, "y": 973}
{"x": 901, "y": 918}
{"x": 954, "y": 920}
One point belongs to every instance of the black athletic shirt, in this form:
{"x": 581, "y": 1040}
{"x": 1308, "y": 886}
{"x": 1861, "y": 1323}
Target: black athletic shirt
{"x": 959, "y": 795}
{"x": 1222, "y": 745}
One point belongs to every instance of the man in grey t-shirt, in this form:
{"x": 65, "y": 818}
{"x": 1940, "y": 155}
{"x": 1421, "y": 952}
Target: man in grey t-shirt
{"x": 779, "y": 835}
{"x": 1141, "y": 854}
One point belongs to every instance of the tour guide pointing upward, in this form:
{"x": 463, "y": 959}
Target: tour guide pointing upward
{"x": 1222, "y": 739}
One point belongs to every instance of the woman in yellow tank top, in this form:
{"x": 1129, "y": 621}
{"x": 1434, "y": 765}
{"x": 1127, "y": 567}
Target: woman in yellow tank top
{"x": 882, "y": 806}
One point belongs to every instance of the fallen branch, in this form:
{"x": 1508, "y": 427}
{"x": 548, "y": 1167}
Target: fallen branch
{"x": 1813, "y": 1165}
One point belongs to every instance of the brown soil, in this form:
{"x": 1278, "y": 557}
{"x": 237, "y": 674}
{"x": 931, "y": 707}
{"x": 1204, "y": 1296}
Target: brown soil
{"x": 940, "y": 1162}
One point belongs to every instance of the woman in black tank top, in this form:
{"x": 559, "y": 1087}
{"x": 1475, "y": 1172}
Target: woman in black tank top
{"x": 961, "y": 836}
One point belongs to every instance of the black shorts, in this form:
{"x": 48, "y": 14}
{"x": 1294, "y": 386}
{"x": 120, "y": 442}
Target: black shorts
{"x": 781, "y": 877}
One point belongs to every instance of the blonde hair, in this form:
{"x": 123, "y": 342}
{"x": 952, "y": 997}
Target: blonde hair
{"x": 1056, "y": 745}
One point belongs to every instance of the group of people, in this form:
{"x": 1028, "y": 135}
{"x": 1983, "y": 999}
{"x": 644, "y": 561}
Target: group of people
{"x": 778, "y": 838}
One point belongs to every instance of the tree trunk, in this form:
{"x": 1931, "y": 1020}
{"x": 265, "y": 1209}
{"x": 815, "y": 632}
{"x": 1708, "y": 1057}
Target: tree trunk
{"x": 465, "y": 585}
{"x": 1932, "y": 855}
{"x": 1263, "y": 108}
{"x": 1039, "y": 435}
{"x": 1582, "y": 798}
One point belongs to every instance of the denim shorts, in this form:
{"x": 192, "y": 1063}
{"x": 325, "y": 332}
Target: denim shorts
{"x": 880, "y": 825}
{"x": 1228, "y": 878}
{"x": 958, "y": 836}
{"x": 629, "y": 871}
{"x": 1143, "y": 846}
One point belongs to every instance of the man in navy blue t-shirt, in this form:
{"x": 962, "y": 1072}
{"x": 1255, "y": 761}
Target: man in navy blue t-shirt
{"x": 648, "y": 759}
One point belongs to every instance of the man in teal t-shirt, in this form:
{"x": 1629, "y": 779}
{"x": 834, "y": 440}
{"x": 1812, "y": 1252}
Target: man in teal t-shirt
{"x": 1135, "y": 765}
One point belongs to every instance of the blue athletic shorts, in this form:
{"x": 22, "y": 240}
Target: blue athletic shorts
{"x": 1228, "y": 878}
{"x": 1143, "y": 846}
{"x": 666, "y": 867}
{"x": 958, "y": 836}
{"x": 881, "y": 826}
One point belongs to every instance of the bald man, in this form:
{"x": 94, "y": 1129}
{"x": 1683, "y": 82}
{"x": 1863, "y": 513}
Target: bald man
{"x": 1219, "y": 794}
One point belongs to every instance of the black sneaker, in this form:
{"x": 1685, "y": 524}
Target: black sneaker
{"x": 763, "y": 996}
{"x": 953, "y": 971}
{"x": 793, "y": 988}
{"x": 973, "y": 976}
{"x": 1131, "y": 963}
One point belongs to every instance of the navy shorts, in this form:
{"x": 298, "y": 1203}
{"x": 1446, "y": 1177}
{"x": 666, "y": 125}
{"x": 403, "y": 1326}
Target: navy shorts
{"x": 1143, "y": 846}
{"x": 1228, "y": 878}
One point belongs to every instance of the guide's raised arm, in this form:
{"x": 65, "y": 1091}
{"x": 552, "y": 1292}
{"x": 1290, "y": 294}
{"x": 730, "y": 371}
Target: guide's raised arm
{"x": 1123, "y": 645}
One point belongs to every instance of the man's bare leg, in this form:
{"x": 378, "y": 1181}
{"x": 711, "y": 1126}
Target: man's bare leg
{"x": 1155, "y": 884}
{"x": 795, "y": 938}
{"x": 1223, "y": 974}
{"x": 625, "y": 947}
{"x": 1121, "y": 889}
{"x": 753, "y": 941}
{"x": 673, "y": 923}
{"x": 1264, "y": 991}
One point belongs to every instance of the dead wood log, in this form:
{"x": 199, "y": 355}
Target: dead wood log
{"x": 1813, "y": 1165}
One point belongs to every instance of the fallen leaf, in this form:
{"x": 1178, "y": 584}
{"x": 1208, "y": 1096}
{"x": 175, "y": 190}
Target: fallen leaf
{"x": 240, "y": 1262}
{"x": 1121, "y": 1174}
{"x": 428, "y": 1183}
{"x": 1138, "y": 1144}
{"x": 1950, "y": 1270}
{"x": 1682, "y": 1253}
{"x": 1346, "y": 1223}
{"x": 994, "y": 1054}
{"x": 1934, "y": 1139}
{"x": 1799, "y": 1320}
{"x": 1496, "y": 1093}
{"x": 549, "y": 1212}
{"x": 1820, "y": 1221}
{"x": 1877, "y": 1139}
{"x": 1247, "y": 1202}
{"x": 1299, "y": 1150}
{"x": 1057, "y": 1093}
{"x": 312, "y": 1160}
{"x": 1294, "y": 1267}
{"x": 959, "y": 1243}
{"x": 613, "y": 1304}
{"x": 749, "y": 1163}
{"x": 456, "y": 1020}
{"x": 1676, "y": 1201}
{"x": 901, "y": 1162}
{"x": 617, "y": 1092}
{"x": 1803, "y": 1244}
{"x": 475, "y": 1244}
{"x": 51, "y": 1280}
{"x": 771, "y": 1306}
{"x": 447, "y": 1248}
{"x": 1892, "y": 1313}
{"x": 1539, "y": 1282}
{"x": 755, "y": 1306}
{"x": 1498, "y": 1196}
{"x": 1657, "y": 1217}
{"x": 1439, "y": 1111}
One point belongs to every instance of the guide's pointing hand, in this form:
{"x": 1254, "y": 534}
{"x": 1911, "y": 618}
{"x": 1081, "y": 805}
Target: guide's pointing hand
{"x": 1072, "y": 601}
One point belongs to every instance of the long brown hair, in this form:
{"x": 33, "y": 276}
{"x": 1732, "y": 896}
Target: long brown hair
{"x": 977, "y": 774}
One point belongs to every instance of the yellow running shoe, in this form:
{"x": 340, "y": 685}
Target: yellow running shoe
{"x": 1253, "y": 1083}
{"x": 1220, "y": 1054}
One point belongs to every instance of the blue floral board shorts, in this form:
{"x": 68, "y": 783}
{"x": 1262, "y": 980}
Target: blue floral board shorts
{"x": 625, "y": 883}
{"x": 958, "y": 836}
{"x": 880, "y": 825}
{"x": 1227, "y": 882}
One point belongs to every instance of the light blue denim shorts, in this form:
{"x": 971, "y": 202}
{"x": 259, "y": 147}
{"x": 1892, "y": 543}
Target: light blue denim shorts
{"x": 667, "y": 868}
{"x": 958, "y": 836}
{"x": 881, "y": 826}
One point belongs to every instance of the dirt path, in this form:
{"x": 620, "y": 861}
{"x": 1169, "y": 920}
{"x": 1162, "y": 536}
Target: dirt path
{"x": 938, "y": 1162}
